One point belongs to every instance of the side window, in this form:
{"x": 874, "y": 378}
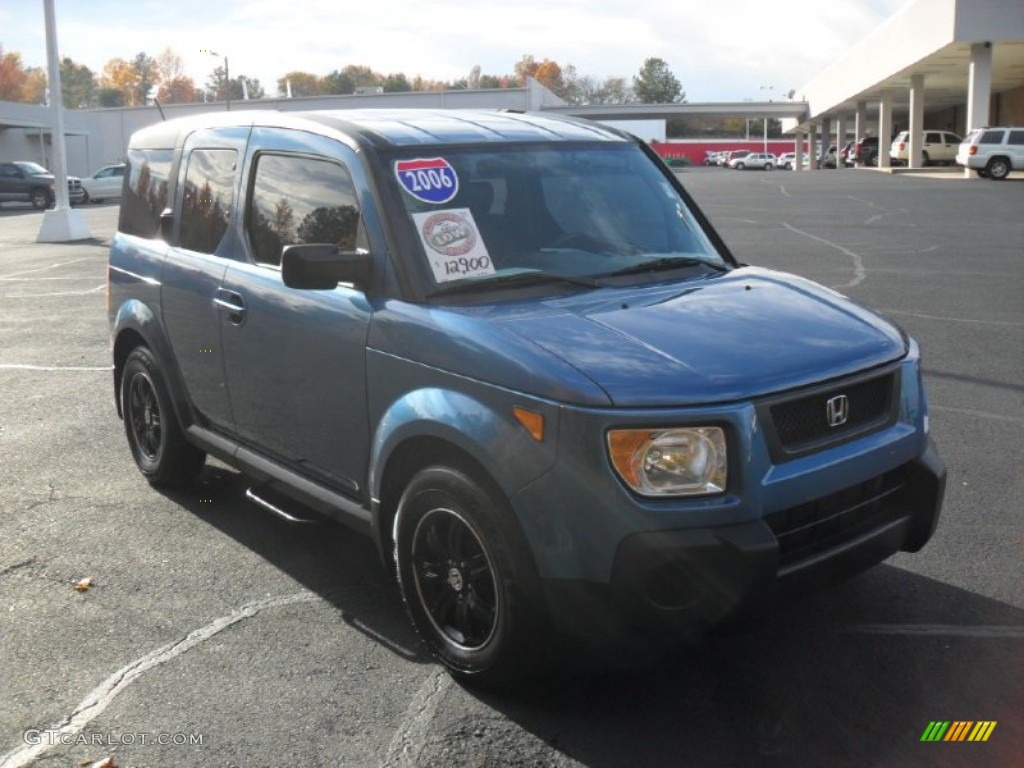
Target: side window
{"x": 145, "y": 193}
{"x": 300, "y": 200}
{"x": 208, "y": 199}
{"x": 991, "y": 137}
{"x": 1016, "y": 137}
{"x": 9, "y": 171}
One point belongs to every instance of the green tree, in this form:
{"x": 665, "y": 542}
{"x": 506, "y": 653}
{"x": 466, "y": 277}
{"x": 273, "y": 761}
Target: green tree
{"x": 337, "y": 83}
{"x": 147, "y": 75}
{"x": 302, "y": 84}
{"x": 397, "y": 83}
{"x": 77, "y": 85}
{"x": 110, "y": 97}
{"x": 655, "y": 84}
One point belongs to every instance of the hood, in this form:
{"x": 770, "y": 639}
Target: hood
{"x": 748, "y": 333}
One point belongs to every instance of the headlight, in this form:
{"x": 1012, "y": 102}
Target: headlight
{"x": 670, "y": 462}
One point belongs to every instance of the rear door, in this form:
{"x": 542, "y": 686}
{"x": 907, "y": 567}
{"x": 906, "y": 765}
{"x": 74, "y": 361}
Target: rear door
{"x": 296, "y": 359}
{"x": 208, "y": 188}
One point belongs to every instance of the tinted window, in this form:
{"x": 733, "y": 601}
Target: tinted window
{"x": 209, "y": 195}
{"x": 991, "y": 137}
{"x": 300, "y": 200}
{"x": 145, "y": 192}
{"x": 1016, "y": 137}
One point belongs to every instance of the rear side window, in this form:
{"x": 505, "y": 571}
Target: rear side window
{"x": 300, "y": 200}
{"x": 145, "y": 191}
{"x": 1016, "y": 137}
{"x": 209, "y": 197}
{"x": 991, "y": 137}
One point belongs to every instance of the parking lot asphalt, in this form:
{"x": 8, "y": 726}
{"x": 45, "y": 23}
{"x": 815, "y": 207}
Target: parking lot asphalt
{"x": 240, "y": 641}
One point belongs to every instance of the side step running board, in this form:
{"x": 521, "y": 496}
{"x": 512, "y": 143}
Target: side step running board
{"x": 286, "y": 516}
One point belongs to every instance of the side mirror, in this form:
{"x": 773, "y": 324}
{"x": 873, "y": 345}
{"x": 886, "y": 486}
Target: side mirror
{"x": 166, "y": 225}
{"x": 320, "y": 266}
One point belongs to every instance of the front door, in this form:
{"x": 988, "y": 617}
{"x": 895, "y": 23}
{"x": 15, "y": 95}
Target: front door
{"x": 296, "y": 359}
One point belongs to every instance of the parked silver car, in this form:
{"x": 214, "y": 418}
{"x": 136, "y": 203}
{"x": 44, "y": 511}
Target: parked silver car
{"x": 762, "y": 160}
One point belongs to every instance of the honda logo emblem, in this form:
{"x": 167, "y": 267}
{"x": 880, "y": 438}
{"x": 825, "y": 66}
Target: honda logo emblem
{"x": 837, "y": 410}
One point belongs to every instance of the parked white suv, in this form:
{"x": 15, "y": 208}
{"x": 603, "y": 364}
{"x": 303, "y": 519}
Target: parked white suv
{"x": 763, "y": 160}
{"x": 993, "y": 152}
{"x": 938, "y": 147}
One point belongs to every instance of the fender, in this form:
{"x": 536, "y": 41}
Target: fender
{"x": 489, "y": 432}
{"x": 136, "y": 315}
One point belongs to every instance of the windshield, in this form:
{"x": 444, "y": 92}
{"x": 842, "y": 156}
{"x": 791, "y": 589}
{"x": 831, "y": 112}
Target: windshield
{"x": 563, "y": 210}
{"x": 32, "y": 168}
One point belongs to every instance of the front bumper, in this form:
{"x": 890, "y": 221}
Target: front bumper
{"x": 680, "y": 583}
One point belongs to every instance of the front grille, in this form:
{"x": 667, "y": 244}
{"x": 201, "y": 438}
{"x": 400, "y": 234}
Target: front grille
{"x": 817, "y": 526}
{"x": 800, "y": 424}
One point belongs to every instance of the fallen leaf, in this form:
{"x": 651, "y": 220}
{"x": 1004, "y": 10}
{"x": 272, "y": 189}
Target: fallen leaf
{"x": 107, "y": 762}
{"x": 83, "y": 586}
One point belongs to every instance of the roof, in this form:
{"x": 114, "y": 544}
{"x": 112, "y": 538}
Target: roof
{"x": 397, "y": 127}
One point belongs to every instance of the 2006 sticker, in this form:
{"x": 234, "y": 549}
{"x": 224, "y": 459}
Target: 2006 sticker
{"x": 431, "y": 180}
{"x": 454, "y": 247}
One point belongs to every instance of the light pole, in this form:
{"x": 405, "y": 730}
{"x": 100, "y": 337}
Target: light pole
{"x": 227, "y": 78}
{"x": 766, "y": 88}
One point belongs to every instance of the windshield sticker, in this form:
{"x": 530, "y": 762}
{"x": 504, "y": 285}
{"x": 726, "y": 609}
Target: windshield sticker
{"x": 431, "y": 180}
{"x": 453, "y": 244}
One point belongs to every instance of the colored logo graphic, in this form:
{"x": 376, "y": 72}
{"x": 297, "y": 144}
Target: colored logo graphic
{"x": 958, "y": 730}
{"x": 431, "y": 180}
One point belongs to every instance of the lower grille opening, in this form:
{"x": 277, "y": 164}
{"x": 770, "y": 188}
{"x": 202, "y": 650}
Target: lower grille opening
{"x": 817, "y": 526}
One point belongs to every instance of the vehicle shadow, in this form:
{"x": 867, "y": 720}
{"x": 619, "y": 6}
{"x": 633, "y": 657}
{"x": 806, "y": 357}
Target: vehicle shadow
{"x": 339, "y": 564}
{"x": 850, "y": 676}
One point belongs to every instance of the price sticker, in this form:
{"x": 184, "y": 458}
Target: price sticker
{"x": 453, "y": 244}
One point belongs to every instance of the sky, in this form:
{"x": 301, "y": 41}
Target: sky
{"x": 720, "y": 50}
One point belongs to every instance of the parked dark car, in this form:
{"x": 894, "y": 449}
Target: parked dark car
{"x": 22, "y": 181}
{"x": 865, "y": 151}
{"x": 512, "y": 349}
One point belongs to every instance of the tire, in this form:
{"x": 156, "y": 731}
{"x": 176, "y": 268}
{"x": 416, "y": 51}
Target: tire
{"x": 767, "y": 166}
{"x": 151, "y": 426}
{"x": 40, "y": 199}
{"x": 873, "y": 160}
{"x": 468, "y": 586}
{"x": 789, "y": 166}
{"x": 739, "y": 166}
{"x": 925, "y": 160}
{"x": 86, "y": 199}
{"x": 998, "y": 168}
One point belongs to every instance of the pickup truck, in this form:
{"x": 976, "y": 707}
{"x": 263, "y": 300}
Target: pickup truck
{"x": 27, "y": 182}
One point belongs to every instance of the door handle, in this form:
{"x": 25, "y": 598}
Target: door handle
{"x": 231, "y": 303}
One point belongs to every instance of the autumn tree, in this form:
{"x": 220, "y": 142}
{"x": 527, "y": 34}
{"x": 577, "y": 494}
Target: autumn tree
{"x": 12, "y": 76}
{"x": 118, "y": 77}
{"x": 549, "y": 74}
{"x": 527, "y": 66}
{"x": 36, "y": 83}
{"x": 397, "y": 83}
{"x": 655, "y": 84}
{"x": 178, "y": 90}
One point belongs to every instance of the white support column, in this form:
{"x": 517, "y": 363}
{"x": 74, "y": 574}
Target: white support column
{"x": 826, "y": 137}
{"x": 860, "y": 122}
{"x": 979, "y": 88}
{"x": 798, "y": 147}
{"x": 916, "y": 126}
{"x": 884, "y": 128}
{"x": 840, "y": 139}
{"x": 812, "y": 142}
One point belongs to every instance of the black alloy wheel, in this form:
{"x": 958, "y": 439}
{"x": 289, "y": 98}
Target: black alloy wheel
{"x": 467, "y": 578}
{"x": 151, "y": 426}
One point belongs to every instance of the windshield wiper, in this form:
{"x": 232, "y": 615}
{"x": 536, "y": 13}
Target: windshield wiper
{"x": 514, "y": 278}
{"x": 663, "y": 263}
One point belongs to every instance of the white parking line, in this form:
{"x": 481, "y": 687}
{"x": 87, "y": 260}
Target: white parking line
{"x": 97, "y": 289}
{"x": 53, "y": 266}
{"x": 27, "y": 367}
{"x": 859, "y": 273}
{"x": 411, "y": 736}
{"x": 1011, "y": 631}
{"x": 100, "y": 697}
{"x": 1010, "y": 323}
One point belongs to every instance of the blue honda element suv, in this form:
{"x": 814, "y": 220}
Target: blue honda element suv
{"x": 511, "y": 349}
